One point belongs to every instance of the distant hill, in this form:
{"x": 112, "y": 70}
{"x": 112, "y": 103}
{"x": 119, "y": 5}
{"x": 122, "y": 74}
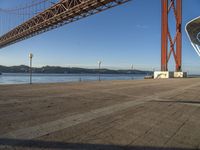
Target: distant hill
{"x": 67, "y": 70}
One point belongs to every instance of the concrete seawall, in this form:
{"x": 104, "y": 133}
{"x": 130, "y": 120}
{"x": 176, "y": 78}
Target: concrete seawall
{"x": 145, "y": 114}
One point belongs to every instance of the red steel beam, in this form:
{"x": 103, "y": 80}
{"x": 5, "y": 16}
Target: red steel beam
{"x": 179, "y": 35}
{"x": 61, "y": 13}
{"x": 164, "y": 39}
{"x": 168, "y": 43}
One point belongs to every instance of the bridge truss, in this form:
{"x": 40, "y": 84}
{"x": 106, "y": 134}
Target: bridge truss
{"x": 67, "y": 11}
{"x": 63, "y": 12}
{"x": 171, "y": 44}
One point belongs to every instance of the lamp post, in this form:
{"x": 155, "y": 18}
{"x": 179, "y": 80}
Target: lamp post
{"x": 31, "y": 57}
{"x": 132, "y": 71}
{"x": 99, "y": 63}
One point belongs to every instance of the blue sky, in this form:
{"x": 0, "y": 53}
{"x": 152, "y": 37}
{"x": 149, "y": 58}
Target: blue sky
{"x": 124, "y": 35}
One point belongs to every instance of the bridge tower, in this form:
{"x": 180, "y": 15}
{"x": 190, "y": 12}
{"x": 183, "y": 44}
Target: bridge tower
{"x": 171, "y": 44}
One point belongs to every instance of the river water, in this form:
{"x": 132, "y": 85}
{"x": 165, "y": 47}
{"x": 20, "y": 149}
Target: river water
{"x": 19, "y": 78}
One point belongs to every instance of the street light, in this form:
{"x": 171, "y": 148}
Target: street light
{"x": 132, "y": 70}
{"x": 99, "y": 63}
{"x": 31, "y": 57}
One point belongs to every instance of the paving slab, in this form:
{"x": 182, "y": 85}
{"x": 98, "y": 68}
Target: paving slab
{"x": 143, "y": 114}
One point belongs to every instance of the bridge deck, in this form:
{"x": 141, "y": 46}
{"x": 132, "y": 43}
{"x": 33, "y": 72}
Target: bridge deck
{"x": 101, "y": 115}
{"x": 61, "y": 13}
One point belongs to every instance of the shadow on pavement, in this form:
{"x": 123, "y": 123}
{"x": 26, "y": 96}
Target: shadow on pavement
{"x": 17, "y": 143}
{"x": 183, "y": 102}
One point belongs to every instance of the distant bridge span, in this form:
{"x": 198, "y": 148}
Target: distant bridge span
{"x": 61, "y": 13}
{"x": 66, "y": 11}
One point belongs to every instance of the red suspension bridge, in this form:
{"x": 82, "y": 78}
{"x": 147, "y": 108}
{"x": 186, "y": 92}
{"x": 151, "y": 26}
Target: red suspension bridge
{"x": 43, "y": 15}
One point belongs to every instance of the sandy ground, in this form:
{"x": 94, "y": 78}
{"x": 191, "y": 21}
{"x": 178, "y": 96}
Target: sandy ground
{"x": 145, "y": 114}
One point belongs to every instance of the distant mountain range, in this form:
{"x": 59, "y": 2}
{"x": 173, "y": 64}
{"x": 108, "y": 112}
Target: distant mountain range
{"x": 67, "y": 70}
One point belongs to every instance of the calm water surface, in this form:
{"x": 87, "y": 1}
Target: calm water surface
{"x": 18, "y": 78}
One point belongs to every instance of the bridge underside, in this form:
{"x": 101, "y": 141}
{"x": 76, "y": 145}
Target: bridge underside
{"x": 60, "y": 14}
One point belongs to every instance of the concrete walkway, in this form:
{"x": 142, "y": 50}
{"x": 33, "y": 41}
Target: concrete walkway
{"x": 146, "y": 114}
